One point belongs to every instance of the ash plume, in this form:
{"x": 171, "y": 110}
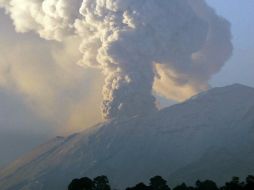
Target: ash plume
{"x": 169, "y": 45}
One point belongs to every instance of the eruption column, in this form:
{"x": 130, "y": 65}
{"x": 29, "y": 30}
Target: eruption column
{"x": 171, "y": 46}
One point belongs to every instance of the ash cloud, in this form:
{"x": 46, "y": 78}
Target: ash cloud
{"x": 170, "y": 46}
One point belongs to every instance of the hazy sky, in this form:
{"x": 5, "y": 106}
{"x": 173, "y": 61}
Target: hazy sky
{"x": 240, "y": 68}
{"x": 36, "y": 96}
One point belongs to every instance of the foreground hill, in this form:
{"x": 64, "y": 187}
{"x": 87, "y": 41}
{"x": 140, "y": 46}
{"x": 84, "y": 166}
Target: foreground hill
{"x": 208, "y": 136}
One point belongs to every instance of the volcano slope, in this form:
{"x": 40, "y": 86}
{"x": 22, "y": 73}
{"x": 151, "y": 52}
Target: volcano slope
{"x": 210, "y": 136}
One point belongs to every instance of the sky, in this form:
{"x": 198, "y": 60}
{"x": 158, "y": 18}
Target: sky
{"x": 240, "y": 67}
{"x": 43, "y": 94}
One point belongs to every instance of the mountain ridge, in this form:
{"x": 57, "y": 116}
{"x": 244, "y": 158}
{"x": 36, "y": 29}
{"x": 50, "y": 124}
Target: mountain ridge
{"x": 173, "y": 140}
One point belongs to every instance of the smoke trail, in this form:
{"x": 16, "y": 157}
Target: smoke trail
{"x": 178, "y": 42}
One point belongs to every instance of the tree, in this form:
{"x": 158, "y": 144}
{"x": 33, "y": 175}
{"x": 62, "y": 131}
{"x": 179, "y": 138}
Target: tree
{"x": 101, "y": 183}
{"x": 183, "y": 186}
{"x": 249, "y": 183}
{"x": 139, "y": 186}
{"x": 158, "y": 183}
{"x": 206, "y": 185}
{"x": 234, "y": 184}
{"x": 84, "y": 183}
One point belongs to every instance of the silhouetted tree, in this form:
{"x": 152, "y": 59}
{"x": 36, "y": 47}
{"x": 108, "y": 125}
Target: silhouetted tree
{"x": 84, "y": 183}
{"x": 139, "y": 186}
{"x": 183, "y": 186}
{"x": 101, "y": 183}
{"x": 158, "y": 183}
{"x": 206, "y": 185}
{"x": 234, "y": 184}
{"x": 249, "y": 183}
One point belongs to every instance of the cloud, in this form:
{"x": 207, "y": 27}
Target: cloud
{"x": 43, "y": 75}
{"x": 203, "y": 64}
{"x": 49, "y": 18}
{"x": 173, "y": 47}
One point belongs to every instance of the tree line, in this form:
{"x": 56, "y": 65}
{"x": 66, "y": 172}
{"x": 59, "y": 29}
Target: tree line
{"x": 158, "y": 183}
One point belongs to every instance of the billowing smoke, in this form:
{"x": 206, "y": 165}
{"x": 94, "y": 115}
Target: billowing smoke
{"x": 168, "y": 45}
{"x": 192, "y": 76}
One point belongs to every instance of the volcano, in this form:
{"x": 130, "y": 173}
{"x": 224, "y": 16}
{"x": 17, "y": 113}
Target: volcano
{"x": 211, "y": 135}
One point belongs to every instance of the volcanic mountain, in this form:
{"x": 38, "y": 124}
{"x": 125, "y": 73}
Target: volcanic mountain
{"x": 211, "y": 135}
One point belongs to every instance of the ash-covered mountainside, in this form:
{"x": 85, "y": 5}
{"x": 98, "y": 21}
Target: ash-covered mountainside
{"x": 210, "y": 135}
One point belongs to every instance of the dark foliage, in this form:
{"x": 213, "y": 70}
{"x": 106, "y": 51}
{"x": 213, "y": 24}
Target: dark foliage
{"x": 158, "y": 183}
{"x": 85, "y": 183}
{"x": 101, "y": 183}
{"x": 81, "y": 184}
{"x": 140, "y": 186}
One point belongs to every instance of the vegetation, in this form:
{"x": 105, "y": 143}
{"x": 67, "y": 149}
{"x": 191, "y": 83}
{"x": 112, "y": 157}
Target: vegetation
{"x": 85, "y": 183}
{"x": 158, "y": 183}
